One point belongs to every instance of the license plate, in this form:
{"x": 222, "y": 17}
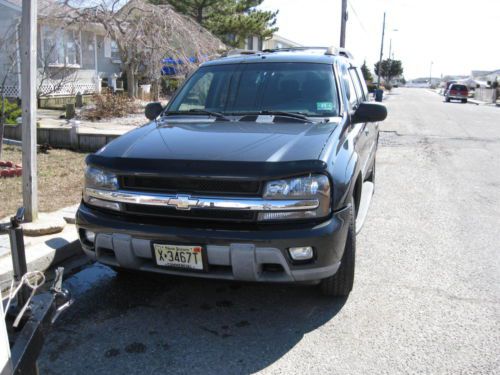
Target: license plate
{"x": 179, "y": 256}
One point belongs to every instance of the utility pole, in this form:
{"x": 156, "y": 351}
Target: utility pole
{"x": 390, "y": 47}
{"x": 28, "y": 106}
{"x": 343, "y": 22}
{"x": 381, "y": 54}
{"x": 430, "y": 74}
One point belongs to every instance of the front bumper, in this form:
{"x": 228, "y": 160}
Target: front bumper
{"x": 247, "y": 255}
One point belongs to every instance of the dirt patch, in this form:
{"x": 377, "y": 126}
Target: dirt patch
{"x": 60, "y": 180}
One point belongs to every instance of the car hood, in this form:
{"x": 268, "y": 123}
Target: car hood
{"x": 222, "y": 141}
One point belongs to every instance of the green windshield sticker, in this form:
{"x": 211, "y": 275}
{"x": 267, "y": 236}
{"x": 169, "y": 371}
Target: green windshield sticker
{"x": 324, "y": 106}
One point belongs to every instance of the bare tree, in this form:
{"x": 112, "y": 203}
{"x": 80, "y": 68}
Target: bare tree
{"x": 145, "y": 34}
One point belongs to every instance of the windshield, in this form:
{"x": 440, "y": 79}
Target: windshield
{"x": 261, "y": 87}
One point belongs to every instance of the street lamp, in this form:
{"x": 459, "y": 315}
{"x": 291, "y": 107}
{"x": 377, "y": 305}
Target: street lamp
{"x": 390, "y": 44}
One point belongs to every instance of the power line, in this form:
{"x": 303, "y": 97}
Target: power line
{"x": 357, "y": 17}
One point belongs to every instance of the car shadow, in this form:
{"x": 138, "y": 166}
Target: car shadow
{"x": 161, "y": 324}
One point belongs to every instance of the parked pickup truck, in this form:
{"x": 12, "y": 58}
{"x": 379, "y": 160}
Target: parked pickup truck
{"x": 261, "y": 168}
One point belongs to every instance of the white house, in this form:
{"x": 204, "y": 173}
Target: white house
{"x": 71, "y": 58}
{"x": 258, "y": 44}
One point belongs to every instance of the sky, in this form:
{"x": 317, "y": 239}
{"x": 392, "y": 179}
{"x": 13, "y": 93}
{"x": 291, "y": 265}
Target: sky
{"x": 457, "y": 36}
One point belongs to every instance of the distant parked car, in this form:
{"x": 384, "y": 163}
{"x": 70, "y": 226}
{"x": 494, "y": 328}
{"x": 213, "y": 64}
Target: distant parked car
{"x": 457, "y": 92}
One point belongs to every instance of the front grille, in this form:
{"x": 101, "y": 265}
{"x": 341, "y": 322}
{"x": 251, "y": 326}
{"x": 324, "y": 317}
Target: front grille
{"x": 194, "y": 214}
{"x": 191, "y": 185}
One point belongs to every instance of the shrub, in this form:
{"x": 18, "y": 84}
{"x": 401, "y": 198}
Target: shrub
{"x": 12, "y": 112}
{"x": 107, "y": 105}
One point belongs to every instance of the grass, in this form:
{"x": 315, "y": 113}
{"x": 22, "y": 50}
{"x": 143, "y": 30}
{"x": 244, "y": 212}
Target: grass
{"x": 60, "y": 181}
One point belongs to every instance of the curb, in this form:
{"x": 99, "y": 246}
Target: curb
{"x": 476, "y": 102}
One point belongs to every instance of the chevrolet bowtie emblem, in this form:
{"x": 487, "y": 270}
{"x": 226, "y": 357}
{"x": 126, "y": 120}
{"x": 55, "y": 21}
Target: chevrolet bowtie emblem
{"x": 183, "y": 202}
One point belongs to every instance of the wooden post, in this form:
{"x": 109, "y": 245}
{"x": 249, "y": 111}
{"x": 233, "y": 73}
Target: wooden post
{"x": 343, "y": 21}
{"x": 28, "y": 98}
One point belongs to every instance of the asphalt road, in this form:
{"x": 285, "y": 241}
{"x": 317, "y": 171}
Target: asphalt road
{"x": 427, "y": 289}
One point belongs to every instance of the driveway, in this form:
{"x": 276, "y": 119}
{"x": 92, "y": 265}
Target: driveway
{"x": 426, "y": 296}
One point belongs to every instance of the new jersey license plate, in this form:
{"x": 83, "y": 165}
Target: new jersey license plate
{"x": 179, "y": 256}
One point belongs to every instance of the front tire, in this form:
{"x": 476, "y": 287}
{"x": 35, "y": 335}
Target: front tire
{"x": 464, "y": 100}
{"x": 340, "y": 284}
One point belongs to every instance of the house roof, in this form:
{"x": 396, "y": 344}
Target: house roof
{"x": 14, "y": 4}
{"x": 282, "y": 39}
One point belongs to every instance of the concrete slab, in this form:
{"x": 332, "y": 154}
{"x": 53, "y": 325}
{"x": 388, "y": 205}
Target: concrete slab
{"x": 45, "y": 224}
{"x": 42, "y": 252}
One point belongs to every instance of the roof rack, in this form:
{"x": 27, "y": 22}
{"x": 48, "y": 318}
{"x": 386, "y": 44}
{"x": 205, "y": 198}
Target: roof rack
{"x": 286, "y": 49}
{"x": 333, "y": 51}
{"x": 235, "y": 52}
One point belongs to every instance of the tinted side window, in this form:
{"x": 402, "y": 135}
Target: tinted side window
{"x": 349, "y": 87}
{"x": 357, "y": 85}
{"x": 363, "y": 83}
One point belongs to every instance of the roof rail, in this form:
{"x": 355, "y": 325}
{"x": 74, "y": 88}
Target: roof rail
{"x": 333, "y": 51}
{"x": 235, "y": 52}
{"x": 285, "y": 49}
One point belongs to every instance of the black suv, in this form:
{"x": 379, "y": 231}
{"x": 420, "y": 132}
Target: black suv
{"x": 261, "y": 168}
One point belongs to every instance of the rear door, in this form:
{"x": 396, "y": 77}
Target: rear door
{"x": 370, "y": 129}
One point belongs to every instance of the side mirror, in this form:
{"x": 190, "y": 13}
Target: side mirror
{"x": 153, "y": 110}
{"x": 369, "y": 112}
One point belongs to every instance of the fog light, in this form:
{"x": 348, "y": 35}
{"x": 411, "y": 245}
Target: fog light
{"x": 104, "y": 204}
{"x": 89, "y": 236}
{"x": 301, "y": 253}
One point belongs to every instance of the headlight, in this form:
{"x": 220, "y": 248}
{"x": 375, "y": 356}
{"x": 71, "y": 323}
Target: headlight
{"x": 99, "y": 179}
{"x": 311, "y": 187}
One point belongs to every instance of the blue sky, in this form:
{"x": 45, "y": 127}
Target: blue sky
{"x": 456, "y": 35}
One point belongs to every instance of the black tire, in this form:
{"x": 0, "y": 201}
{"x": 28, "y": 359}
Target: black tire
{"x": 464, "y": 100}
{"x": 447, "y": 99}
{"x": 373, "y": 172}
{"x": 340, "y": 284}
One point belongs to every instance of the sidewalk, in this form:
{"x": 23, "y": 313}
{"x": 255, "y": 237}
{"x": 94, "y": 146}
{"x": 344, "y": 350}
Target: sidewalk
{"x": 114, "y": 126}
{"x": 42, "y": 252}
{"x": 479, "y": 102}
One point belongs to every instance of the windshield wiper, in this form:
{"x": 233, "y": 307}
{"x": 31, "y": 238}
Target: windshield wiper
{"x": 297, "y": 115}
{"x": 218, "y": 115}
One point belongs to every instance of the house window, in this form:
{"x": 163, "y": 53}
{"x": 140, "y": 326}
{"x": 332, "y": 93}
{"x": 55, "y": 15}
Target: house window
{"x": 115, "y": 52}
{"x": 250, "y": 43}
{"x": 60, "y": 46}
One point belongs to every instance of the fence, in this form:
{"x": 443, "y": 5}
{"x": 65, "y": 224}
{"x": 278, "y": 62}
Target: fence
{"x": 11, "y": 91}
{"x": 488, "y": 95}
